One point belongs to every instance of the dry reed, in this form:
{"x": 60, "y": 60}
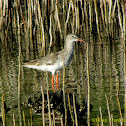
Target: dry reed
{"x": 19, "y": 71}
{"x": 43, "y": 106}
{"x": 75, "y": 112}
{"x": 86, "y": 14}
{"x": 61, "y": 122}
{"x": 65, "y": 108}
{"x": 57, "y": 19}
{"x": 119, "y": 104}
{"x": 97, "y": 22}
{"x": 28, "y": 123}
{"x": 101, "y": 118}
{"x": 72, "y": 7}
{"x": 109, "y": 115}
{"x": 120, "y": 17}
{"x": 49, "y": 107}
{"x": 53, "y": 118}
{"x": 24, "y": 118}
{"x": 112, "y": 120}
{"x": 88, "y": 87}
{"x": 31, "y": 116}
{"x": 125, "y": 85}
{"x": 98, "y": 120}
{"x": 3, "y": 111}
{"x": 14, "y": 120}
{"x": 70, "y": 109}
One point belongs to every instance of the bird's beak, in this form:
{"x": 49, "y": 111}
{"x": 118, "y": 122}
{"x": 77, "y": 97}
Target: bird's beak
{"x": 80, "y": 40}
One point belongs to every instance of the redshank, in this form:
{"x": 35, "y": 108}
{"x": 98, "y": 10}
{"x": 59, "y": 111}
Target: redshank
{"x": 55, "y": 61}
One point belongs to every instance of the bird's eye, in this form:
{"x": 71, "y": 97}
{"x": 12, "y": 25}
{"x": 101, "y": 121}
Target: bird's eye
{"x": 73, "y": 36}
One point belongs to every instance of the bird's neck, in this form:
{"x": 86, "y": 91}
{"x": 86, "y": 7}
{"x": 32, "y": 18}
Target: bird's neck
{"x": 68, "y": 51}
{"x": 69, "y": 47}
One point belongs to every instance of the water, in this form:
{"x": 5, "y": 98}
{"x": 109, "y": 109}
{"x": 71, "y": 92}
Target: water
{"x": 106, "y": 69}
{"x": 106, "y": 73}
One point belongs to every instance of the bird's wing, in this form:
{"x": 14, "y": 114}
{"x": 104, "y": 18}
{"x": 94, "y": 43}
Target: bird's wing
{"x": 46, "y": 60}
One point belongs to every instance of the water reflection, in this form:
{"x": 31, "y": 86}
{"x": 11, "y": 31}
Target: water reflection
{"x": 106, "y": 66}
{"x": 105, "y": 70}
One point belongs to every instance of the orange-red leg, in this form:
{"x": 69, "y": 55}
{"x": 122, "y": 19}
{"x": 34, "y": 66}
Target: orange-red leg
{"x": 57, "y": 82}
{"x": 52, "y": 81}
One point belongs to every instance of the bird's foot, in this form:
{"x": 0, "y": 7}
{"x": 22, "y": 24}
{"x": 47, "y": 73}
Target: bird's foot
{"x": 57, "y": 82}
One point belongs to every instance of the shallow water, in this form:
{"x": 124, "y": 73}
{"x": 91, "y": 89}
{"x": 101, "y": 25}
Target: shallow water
{"x": 106, "y": 72}
{"x": 106, "y": 69}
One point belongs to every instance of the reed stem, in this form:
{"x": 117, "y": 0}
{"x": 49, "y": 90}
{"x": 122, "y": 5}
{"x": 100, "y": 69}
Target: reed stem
{"x": 88, "y": 98}
{"x": 112, "y": 120}
{"x": 68, "y": 14}
{"x": 49, "y": 107}
{"x": 124, "y": 84}
{"x": 53, "y": 118}
{"x": 119, "y": 104}
{"x": 75, "y": 112}
{"x": 24, "y": 118}
{"x": 110, "y": 10}
{"x": 105, "y": 9}
{"x": 120, "y": 17}
{"x": 19, "y": 71}
{"x": 43, "y": 107}
{"x": 90, "y": 15}
{"x": 101, "y": 116}
{"x": 108, "y": 110}
{"x": 31, "y": 116}
{"x": 65, "y": 108}
{"x": 3, "y": 111}
{"x": 28, "y": 123}
{"x": 86, "y": 16}
{"x": 96, "y": 12}
{"x": 61, "y": 122}
{"x": 14, "y": 120}
{"x": 70, "y": 109}
{"x": 57, "y": 20}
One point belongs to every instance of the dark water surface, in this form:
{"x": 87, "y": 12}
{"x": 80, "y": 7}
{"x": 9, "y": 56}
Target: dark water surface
{"x": 106, "y": 73}
{"x": 106, "y": 70}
